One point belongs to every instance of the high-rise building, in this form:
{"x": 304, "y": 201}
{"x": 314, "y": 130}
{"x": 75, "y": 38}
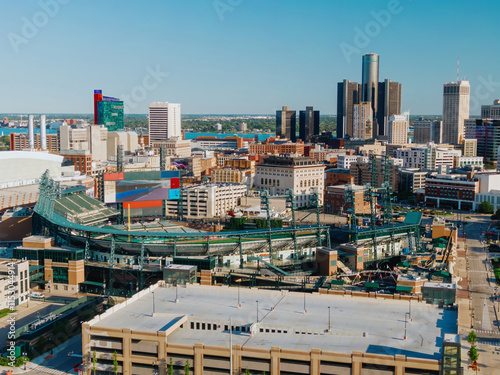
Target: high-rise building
{"x": 348, "y": 94}
{"x": 398, "y": 130}
{"x": 108, "y": 111}
{"x": 362, "y": 124}
{"x": 487, "y": 134}
{"x": 425, "y": 131}
{"x": 389, "y": 104}
{"x": 164, "y": 121}
{"x": 308, "y": 124}
{"x": 456, "y": 97}
{"x": 286, "y": 121}
{"x": 370, "y": 65}
{"x": 491, "y": 112}
{"x": 385, "y": 98}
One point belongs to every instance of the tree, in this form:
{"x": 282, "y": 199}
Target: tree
{"x": 186, "y": 368}
{"x": 115, "y": 362}
{"x": 472, "y": 338}
{"x": 485, "y": 208}
{"x": 473, "y": 354}
{"x": 496, "y": 215}
{"x": 247, "y": 371}
{"x": 171, "y": 367}
{"x": 94, "y": 360}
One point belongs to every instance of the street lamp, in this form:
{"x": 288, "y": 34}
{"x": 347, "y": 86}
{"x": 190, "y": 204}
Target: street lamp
{"x": 329, "y": 319}
{"x": 405, "y": 324}
{"x": 153, "y": 302}
{"x": 257, "y": 311}
{"x": 409, "y": 312}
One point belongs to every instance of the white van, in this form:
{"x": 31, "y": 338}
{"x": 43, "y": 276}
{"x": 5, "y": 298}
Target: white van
{"x": 36, "y": 295}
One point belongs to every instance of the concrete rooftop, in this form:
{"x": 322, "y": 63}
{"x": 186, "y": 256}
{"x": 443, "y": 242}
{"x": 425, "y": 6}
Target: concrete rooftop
{"x": 363, "y": 324}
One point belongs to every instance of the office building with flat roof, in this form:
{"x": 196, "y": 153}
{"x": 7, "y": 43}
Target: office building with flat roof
{"x": 164, "y": 121}
{"x": 286, "y": 123}
{"x": 308, "y": 124}
{"x": 456, "y": 100}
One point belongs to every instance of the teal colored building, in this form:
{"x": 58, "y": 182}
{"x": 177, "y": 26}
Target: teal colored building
{"x": 110, "y": 114}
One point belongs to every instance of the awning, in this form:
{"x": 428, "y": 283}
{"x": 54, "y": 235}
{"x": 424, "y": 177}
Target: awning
{"x": 401, "y": 288}
{"x": 337, "y": 282}
{"x": 404, "y": 264}
{"x": 93, "y": 283}
{"x": 371, "y": 285}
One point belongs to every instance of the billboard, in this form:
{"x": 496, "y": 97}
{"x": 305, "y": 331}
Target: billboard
{"x": 141, "y": 187}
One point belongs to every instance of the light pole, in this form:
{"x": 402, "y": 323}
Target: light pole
{"x": 409, "y": 312}
{"x": 239, "y": 304}
{"x": 305, "y": 303}
{"x": 257, "y": 311}
{"x": 405, "y": 325}
{"x": 329, "y": 319}
{"x": 153, "y": 302}
{"x": 231, "y": 347}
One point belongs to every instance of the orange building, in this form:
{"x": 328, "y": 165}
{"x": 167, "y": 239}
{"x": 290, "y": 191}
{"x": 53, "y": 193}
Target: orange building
{"x": 276, "y": 148}
{"x": 20, "y": 142}
{"x": 338, "y": 177}
{"x": 82, "y": 160}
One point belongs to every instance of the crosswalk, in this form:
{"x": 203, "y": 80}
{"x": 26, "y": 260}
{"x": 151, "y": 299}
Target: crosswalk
{"x": 487, "y": 331}
{"x": 49, "y": 370}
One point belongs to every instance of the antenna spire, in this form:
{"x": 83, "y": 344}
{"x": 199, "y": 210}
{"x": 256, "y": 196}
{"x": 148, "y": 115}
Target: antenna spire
{"x": 458, "y": 64}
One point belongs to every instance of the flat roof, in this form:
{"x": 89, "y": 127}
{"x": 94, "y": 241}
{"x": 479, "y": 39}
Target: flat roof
{"x": 357, "y": 323}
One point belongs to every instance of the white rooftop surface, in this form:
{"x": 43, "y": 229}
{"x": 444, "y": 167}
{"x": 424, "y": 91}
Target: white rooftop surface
{"x": 382, "y": 320}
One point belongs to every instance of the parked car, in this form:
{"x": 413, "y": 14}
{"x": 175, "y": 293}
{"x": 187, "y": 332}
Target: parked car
{"x": 36, "y": 295}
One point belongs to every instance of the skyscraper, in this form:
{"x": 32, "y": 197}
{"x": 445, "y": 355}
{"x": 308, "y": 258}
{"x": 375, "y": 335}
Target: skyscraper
{"x": 370, "y": 83}
{"x": 398, "y": 130}
{"x": 487, "y": 134}
{"x": 108, "y": 111}
{"x": 308, "y": 124}
{"x": 362, "y": 124}
{"x": 286, "y": 122}
{"x": 348, "y": 94}
{"x": 425, "y": 131}
{"x": 456, "y": 98}
{"x": 389, "y": 104}
{"x": 164, "y": 121}
{"x": 385, "y": 99}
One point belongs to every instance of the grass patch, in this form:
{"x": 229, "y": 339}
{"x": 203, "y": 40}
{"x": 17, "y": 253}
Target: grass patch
{"x": 496, "y": 268}
{"x": 5, "y": 312}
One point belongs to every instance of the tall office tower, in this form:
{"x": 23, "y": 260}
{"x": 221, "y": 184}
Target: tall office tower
{"x": 348, "y": 94}
{"x": 164, "y": 121}
{"x": 491, "y": 112}
{"x": 389, "y": 103}
{"x": 370, "y": 84}
{"x": 398, "y": 130}
{"x": 286, "y": 121}
{"x": 487, "y": 134}
{"x": 108, "y": 111}
{"x": 456, "y": 97}
{"x": 362, "y": 124}
{"x": 425, "y": 131}
{"x": 97, "y": 99}
{"x": 308, "y": 124}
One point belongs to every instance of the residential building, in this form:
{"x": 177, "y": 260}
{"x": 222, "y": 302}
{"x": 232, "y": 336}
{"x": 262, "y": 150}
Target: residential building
{"x": 338, "y": 176}
{"x": 469, "y": 147}
{"x": 92, "y": 138}
{"x": 129, "y": 140}
{"x": 14, "y": 283}
{"x": 362, "y": 121}
{"x": 345, "y": 161}
{"x": 425, "y": 131}
{"x": 428, "y": 157}
{"x": 487, "y": 134}
{"x": 335, "y": 202}
{"x": 303, "y": 175}
{"x": 491, "y": 111}
{"x": 208, "y": 200}
{"x": 398, "y": 130}
{"x": 456, "y": 98}
{"x": 348, "y": 94}
{"x": 286, "y": 122}
{"x": 82, "y": 159}
{"x": 164, "y": 121}
{"x": 227, "y": 175}
{"x": 411, "y": 179}
{"x": 242, "y": 127}
{"x": 455, "y": 191}
{"x": 20, "y": 142}
{"x": 308, "y": 124}
{"x": 277, "y": 148}
{"x": 175, "y": 146}
{"x": 362, "y": 173}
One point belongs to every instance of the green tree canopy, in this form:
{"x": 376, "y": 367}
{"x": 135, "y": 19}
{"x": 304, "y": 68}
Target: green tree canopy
{"x": 485, "y": 208}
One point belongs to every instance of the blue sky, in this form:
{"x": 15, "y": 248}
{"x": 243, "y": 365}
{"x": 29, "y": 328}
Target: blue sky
{"x": 240, "y": 56}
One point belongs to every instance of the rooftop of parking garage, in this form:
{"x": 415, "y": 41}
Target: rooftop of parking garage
{"x": 356, "y": 323}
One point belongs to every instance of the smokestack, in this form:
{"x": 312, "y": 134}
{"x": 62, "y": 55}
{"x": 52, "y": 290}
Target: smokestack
{"x": 31, "y": 132}
{"x": 43, "y": 135}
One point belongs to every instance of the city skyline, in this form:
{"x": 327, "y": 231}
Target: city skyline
{"x": 239, "y": 57}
